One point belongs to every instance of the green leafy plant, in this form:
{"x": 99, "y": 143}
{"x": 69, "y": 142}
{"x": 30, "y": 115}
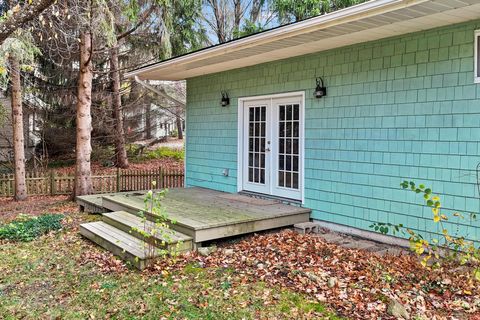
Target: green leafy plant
{"x": 27, "y": 228}
{"x": 449, "y": 246}
{"x": 156, "y": 229}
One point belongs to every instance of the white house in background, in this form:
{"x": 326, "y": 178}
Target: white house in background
{"x": 152, "y": 121}
{"x": 31, "y": 116}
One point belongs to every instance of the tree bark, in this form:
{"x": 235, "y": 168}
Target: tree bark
{"x": 83, "y": 179}
{"x": 18, "y": 135}
{"x": 121, "y": 152}
{"x": 179, "y": 127}
{"x": 237, "y": 13}
{"x": 148, "y": 121}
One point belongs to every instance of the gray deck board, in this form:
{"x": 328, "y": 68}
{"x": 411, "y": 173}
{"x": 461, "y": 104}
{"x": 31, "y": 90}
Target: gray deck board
{"x": 131, "y": 221}
{"x": 117, "y": 238}
{"x": 201, "y": 208}
{"x": 201, "y": 214}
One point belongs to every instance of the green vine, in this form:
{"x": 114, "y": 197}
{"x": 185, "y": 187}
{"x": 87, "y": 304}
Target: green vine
{"x": 448, "y": 246}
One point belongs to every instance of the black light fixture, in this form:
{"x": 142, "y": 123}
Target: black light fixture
{"x": 225, "y": 99}
{"x": 320, "y": 90}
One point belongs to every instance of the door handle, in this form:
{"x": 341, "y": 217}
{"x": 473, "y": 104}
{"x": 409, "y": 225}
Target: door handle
{"x": 267, "y": 150}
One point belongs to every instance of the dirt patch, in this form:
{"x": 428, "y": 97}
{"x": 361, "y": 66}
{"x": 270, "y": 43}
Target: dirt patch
{"x": 35, "y": 205}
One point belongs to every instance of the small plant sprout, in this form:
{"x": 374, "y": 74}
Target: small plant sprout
{"x": 156, "y": 229}
{"x": 451, "y": 246}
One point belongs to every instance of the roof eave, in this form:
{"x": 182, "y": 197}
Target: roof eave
{"x": 335, "y": 18}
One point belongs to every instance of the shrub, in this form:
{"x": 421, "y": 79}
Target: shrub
{"x": 28, "y": 228}
{"x": 165, "y": 152}
{"x": 133, "y": 150}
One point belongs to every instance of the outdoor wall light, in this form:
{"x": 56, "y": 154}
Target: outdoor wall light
{"x": 320, "y": 90}
{"x": 225, "y": 99}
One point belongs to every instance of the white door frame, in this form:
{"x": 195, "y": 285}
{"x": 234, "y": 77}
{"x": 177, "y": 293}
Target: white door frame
{"x": 240, "y": 134}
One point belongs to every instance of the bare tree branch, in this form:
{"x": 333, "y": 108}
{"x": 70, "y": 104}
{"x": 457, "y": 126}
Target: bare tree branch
{"x": 22, "y": 15}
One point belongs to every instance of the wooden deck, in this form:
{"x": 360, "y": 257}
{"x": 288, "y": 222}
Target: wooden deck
{"x": 198, "y": 214}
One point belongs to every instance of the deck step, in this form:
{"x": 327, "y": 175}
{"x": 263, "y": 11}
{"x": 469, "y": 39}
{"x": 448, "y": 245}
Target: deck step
{"x": 119, "y": 243}
{"x": 135, "y": 205}
{"x": 138, "y": 227}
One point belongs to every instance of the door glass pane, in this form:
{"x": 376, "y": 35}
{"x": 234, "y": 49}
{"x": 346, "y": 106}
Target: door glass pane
{"x": 282, "y": 113}
{"x": 289, "y": 112}
{"x": 288, "y": 180}
{"x": 288, "y": 146}
{"x": 288, "y": 129}
{"x": 295, "y": 146}
{"x": 281, "y": 131}
{"x": 295, "y": 180}
{"x": 288, "y": 163}
{"x": 256, "y": 144}
{"x": 281, "y": 147}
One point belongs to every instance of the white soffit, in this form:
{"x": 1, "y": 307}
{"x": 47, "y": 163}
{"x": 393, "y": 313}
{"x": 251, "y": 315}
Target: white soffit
{"x": 369, "y": 21}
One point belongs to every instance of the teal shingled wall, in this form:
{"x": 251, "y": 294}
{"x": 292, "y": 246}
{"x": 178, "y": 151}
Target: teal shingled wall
{"x": 399, "y": 108}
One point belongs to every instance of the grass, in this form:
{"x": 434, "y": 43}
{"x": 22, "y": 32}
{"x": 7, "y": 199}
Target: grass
{"x": 48, "y": 278}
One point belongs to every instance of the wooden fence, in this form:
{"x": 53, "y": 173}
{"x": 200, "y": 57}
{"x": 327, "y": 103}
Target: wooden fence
{"x": 51, "y": 183}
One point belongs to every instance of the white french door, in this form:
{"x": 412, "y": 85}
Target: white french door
{"x": 271, "y": 145}
{"x": 257, "y": 142}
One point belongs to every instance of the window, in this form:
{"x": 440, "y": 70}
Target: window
{"x": 477, "y": 56}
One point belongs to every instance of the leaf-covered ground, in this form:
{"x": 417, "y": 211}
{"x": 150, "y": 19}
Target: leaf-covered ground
{"x": 63, "y": 276}
{"x": 271, "y": 276}
{"x": 358, "y": 284}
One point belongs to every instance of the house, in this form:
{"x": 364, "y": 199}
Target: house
{"x": 31, "y": 131}
{"x": 160, "y": 115}
{"x": 334, "y": 112}
{"x": 152, "y": 122}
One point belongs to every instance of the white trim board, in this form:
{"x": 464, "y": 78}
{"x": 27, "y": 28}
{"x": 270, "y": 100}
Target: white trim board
{"x": 476, "y": 57}
{"x": 240, "y": 136}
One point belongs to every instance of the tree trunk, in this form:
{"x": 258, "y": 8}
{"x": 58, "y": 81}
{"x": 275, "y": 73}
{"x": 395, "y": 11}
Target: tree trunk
{"x": 237, "y": 13}
{"x": 179, "y": 127}
{"x": 18, "y": 136}
{"x": 148, "y": 121}
{"x": 122, "y": 159}
{"x": 83, "y": 179}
